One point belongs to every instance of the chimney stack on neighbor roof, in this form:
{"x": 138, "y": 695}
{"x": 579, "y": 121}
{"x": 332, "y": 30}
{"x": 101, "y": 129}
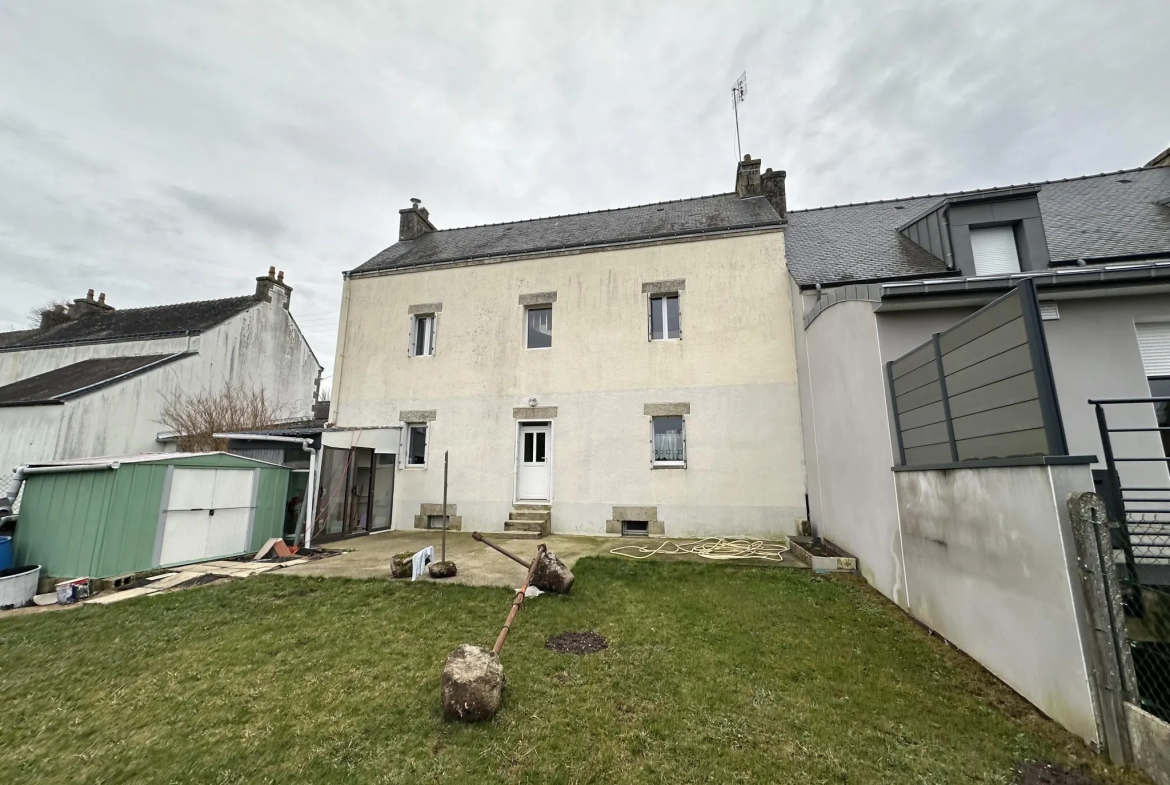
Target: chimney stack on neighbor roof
{"x": 273, "y": 286}
{"x": 88, "y": 306}
{"x": 414, "y": 221}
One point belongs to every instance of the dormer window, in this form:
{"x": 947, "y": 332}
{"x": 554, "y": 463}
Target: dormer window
{"x": 994, "y": 250}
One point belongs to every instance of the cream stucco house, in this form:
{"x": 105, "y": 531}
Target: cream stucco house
{"x": 621, "y": 371}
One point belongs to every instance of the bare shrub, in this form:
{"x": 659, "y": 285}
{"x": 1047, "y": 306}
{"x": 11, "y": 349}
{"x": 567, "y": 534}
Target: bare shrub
{"x": 197, "y": 416}
{"x": 56, "y": 308}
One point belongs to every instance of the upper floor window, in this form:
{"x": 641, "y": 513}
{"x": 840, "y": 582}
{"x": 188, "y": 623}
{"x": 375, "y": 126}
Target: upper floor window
{"x": 422, "y": 339}
{"x": 994, "y": 249}
{"x": 539, "y": 327}
{"x": 664, "y": 321}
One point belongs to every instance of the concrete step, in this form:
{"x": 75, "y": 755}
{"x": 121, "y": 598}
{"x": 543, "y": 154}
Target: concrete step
{"x": 526, "y": 526}
{"x": 530, "y": 515}
{"x": 516, "y": 534}
{"x": 531, "y": 506}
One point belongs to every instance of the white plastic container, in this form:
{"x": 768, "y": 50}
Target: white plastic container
{"x": 18, "y": 585}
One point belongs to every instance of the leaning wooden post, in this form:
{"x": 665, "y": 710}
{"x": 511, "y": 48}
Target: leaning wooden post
{"x": 446, "y": 454}
{"x": 517, "y": 602}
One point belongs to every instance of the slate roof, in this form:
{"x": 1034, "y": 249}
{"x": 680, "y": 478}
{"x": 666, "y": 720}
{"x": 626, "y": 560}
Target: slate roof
{"x": 129, "y": 323}
{"x": 604, "y": 227}
{"x": 1094, "y": 217}
{"x": 80, "y": 378}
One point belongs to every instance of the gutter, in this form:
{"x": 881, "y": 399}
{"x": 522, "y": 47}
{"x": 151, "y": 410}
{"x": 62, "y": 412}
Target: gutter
{"x": 311, "y": 487}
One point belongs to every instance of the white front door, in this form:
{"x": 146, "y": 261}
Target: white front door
{"x": 534, "y": 453}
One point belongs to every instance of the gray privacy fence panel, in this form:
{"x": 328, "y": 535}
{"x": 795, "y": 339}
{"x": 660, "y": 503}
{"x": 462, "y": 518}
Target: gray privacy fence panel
{"x": 981, "y": 390}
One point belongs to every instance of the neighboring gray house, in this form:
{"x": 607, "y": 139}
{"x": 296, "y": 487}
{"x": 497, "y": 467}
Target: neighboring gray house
{"x": 876, "y": 280}
{"x": 92, "y": 379}
{"x": 942, "y": 450}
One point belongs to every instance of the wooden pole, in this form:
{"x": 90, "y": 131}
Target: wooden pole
{"x": 446, "y": 454}
{"x": 518, "y": 601}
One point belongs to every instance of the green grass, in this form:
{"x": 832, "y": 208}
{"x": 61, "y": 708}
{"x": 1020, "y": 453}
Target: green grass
{"x": 714, "y": 674}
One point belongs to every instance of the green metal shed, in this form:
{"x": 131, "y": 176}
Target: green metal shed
{"x": 103, "y": 517}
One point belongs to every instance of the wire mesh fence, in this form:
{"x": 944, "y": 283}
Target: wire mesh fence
{"x": 1147, "y": 623}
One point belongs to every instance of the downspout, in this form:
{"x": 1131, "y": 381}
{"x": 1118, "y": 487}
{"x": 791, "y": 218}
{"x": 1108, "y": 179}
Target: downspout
{"x": 21, "y": 472}
{"x": 311, "y": 487}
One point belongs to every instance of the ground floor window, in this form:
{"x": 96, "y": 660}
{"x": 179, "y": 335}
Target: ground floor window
{"x": 416, "y": 447}
{"x": 670, "y": 446}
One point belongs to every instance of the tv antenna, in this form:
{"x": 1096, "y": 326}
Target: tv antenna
{"x": 738, "y": 91}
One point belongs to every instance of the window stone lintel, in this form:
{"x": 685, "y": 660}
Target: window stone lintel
{"x": 534, "y": 413}
{"x": 425, "y": 308}
{"x": 664, "y": 287}
{"x": 666, "y": 409}
{"x": 538, "y": 298}
{"x": 417, "y": 415}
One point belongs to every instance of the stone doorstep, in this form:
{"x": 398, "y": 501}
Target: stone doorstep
{"x": 530, "y": 515}
{"x": 517, "y": 534}
{"x": 527, "y": 526}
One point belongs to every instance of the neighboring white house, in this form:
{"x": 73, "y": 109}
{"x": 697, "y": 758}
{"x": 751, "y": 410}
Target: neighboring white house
{"x": 93, "y": 379}
{"x": 631, "y": 370}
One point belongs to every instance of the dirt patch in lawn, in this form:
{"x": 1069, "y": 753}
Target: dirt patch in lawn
{"x": 576, "y": 643}
{"x": 1038, "y": 772}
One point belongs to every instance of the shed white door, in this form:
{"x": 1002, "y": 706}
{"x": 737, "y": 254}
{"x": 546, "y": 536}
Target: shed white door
{"x": 534, "y": 449}
{"x": 208, "y": 514}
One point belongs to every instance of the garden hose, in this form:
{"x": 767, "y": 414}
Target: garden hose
{"x": 716, "y": 548}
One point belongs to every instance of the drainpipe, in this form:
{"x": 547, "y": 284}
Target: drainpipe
{"x": 311, "y": 487}
{"x": 21, "y": 472}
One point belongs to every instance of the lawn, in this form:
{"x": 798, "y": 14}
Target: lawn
{"x": 714, "y": 674}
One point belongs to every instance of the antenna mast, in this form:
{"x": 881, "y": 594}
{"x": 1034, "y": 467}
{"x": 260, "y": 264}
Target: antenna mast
{"x": 738, "y": 91}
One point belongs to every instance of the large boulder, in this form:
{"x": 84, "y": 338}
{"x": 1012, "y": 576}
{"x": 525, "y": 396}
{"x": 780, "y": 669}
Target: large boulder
{"x": 441, "y": 569}
{"x": 552, "y": 575}
{"x": 472, "y": 684}
{"x": 401, "y": 565}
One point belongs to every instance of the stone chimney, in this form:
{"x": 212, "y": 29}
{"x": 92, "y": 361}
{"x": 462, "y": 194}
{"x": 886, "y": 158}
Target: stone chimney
{"x": 414, "y": 221}
{"x": 773, "y": 188}
{"x": 88, "y": 306}
{"x": 747, "y": 178}
{"x": 272, "y": 288}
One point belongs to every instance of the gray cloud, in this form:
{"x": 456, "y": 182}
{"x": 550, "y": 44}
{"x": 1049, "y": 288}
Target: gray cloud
{"x": 230, "y": 215}
{"x": 166, "y": 152}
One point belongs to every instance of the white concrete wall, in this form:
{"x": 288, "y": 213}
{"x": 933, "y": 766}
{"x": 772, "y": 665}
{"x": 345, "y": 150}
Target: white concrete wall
{"x": 991, "y": 566}
{"x": 27, "y": 433}
{"x": 735, "y": 366}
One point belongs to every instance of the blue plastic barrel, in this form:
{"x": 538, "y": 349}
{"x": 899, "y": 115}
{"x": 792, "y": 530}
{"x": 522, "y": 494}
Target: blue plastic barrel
{"x": 5, "y": 553}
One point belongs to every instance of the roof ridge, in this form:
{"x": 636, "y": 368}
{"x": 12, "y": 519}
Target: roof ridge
{"x": 972, "y": 190}
{"x": 175, "y": 305}
{"x": 586, "y": 212}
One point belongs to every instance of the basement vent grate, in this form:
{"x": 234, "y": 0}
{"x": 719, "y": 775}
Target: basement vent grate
{"x": 635, "y": 529}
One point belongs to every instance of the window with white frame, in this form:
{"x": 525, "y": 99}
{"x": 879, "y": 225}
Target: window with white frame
{"x": 416, "y": 444}
{"x": 664, "y": 317}
{"x": 422, "y": 335}
{"x": 670, "y": 442}
{"x": 539, "y": 327}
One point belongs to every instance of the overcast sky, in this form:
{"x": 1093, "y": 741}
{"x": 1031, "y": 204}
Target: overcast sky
{"x": 172, "y": 151}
